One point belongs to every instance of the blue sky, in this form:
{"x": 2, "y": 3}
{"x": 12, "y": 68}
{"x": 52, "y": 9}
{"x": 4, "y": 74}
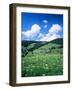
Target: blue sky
{"x": 41, "y": 27}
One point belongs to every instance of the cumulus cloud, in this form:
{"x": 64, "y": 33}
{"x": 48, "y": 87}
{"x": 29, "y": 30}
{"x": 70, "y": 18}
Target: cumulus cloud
{"x": 40, "y": 35}
{"x": 35, "y": 33}
{"x": 55, "y": 28}
{"x": 29, "y": 34}
{"x": 45, "y": 21}
{"x": 50, "y": 37}
{"x": 53, "y": 33}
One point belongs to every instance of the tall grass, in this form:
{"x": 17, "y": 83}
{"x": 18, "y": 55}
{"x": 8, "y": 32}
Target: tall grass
{"x": 42, "y": 65}
{"x": 42, "y": 58}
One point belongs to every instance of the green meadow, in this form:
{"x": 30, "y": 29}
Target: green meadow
{"x": 40, "y": 58}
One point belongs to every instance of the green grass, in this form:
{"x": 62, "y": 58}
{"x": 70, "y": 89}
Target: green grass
{"x": 42, "y": 65}
{"x": 42, "y": 58}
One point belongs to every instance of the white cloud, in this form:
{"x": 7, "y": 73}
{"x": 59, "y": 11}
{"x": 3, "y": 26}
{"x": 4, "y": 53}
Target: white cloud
{"x": 53, "y": 33}
{"x": 55, "y": 28}
{"x": 40, "y": 35}
{"x": 29, "y": 34}
{"x": 45, "y": 21}
{"x": 49, "y": 37}
{"x": 45, "y": 26}
{"x": 35, "y": 34}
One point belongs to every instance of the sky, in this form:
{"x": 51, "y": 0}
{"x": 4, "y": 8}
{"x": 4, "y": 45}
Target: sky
{"x": 41, "y": 27}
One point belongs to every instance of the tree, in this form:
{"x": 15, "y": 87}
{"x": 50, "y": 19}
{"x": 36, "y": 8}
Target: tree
{"x": 24, "y": 51}
{"x": 53, "y": 47}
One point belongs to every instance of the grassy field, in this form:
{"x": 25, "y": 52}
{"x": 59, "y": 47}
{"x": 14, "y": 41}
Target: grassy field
{"x": 42, "y": 59}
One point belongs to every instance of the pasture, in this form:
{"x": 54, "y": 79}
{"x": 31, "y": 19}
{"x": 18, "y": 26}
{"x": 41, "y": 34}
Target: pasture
{"x": 42, "y": 59}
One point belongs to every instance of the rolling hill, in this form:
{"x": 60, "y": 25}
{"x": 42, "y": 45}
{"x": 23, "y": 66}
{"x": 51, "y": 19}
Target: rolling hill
{"x": 42, "y": 58}
{"x": 28, "y": 46}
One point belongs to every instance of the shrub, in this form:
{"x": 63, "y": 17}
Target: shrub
{"x": 53, "y": 47}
